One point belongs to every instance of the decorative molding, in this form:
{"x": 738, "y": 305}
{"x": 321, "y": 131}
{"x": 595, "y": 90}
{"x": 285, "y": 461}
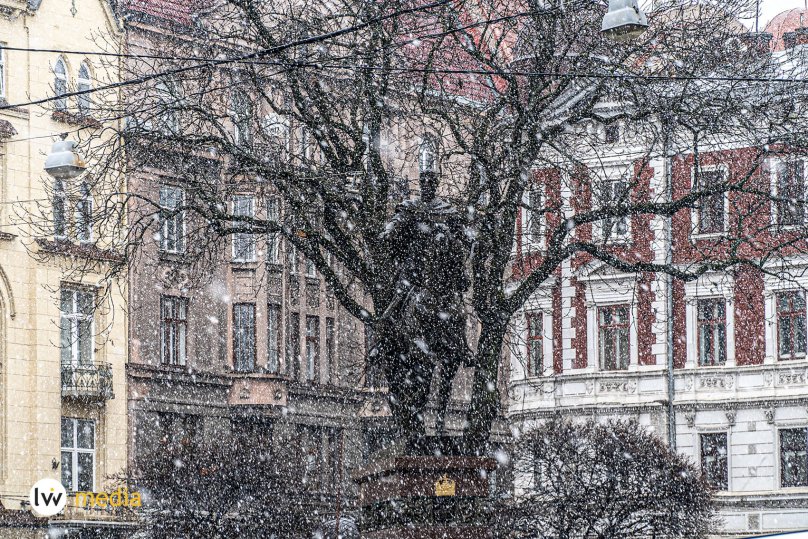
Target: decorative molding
{"x": 768, "y": 413}
{"x": 731, "y": 415}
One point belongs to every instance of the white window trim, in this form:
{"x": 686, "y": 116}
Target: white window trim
{"x": 540, "y": 301}
{"x": 527, "y": 243}
{"x": 64, "y": 78}
{"x": 614, "y": 173}
{"x": 798, "y": 280}
{"x": 74, "y": 451}
{"x": 181, "y": 231}
{"x": 81, "y": 82}
{"x": 709, "y": 286}
{"x": 593, "y": 334}
{"x": 778, "y": 457}
{"x": 74, "y": 316}
{"x": 697, "y": 446}
{"x": 696, "y": 233}
{"x": 772, "y": 166}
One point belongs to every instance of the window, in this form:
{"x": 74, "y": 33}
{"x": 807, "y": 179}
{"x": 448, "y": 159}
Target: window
{"x": 84, "y": 215}
{"x": 172, "y": 219}
{"x": 712, "y": 328}
{"x": 273, "y": 337}
{"x": 535, "y": 344}
{"x": 84, "y": 84}
{"x": 614, "y": 193}
{"x": 59, "y": 206}
{"x": 76, "y": 339}
{"x": 311, "y": 269}
{"x": 243, "y": 242}
{"x": 330, "y": 349}
{"x": 790, "y": 192}
{"x": 78, "y": 454}
{"x": 312, "y": 347}
{"x": 532, "y": 218}
{"x": 427, "y": 157}
{"x": 791, "y": 330}
{"x": 244, "y": 337}
{"x": 273, "y": 239}
{"x": 306, "y": 146}
{"x": 293, "y": 346}
{"x": 240, "y": 115}
{"x": 710, "y": 208}
{"x": 319, "y": 461}
{"x": 714, "y": 459}
{"x": 794, "y": 457}
{"x": 166, "y": 107}
{"x": 60, "y": 85}
{"x": 612, "y": 134}
{"x": 2, "y": 72}
{"x": 613, "y": 325}
{"x": 292, "y": 255}
{"x": 174, "y": 329}
{"x": 178, "y": 429}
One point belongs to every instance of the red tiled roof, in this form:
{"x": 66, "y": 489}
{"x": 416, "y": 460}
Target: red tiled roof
{"x": 178, "y": 11}
{"x": 787, "y": 21}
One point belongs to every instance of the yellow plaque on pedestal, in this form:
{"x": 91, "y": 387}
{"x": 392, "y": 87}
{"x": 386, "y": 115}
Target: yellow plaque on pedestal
{"x": 445, "y": 486}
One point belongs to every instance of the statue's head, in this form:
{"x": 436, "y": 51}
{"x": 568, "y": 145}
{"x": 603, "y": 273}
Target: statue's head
{"x": 429, "y": 185}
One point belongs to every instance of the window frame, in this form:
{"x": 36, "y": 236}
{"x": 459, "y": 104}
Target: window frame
{"x": 425, "y": 165}
{"x": 84, "y": 82}
{"x": 74, "y": 452}
{"x": 792, "y": 314}
{"x": 725, "y": 483}
{"x": 529, "y": 242}
{"x": 274, "y": 314}
{"x": 242, "y": 239}
{"x": 293, "y": 345}
{"x": 601, "y": 328}
{"x": 177, "y": 326}
{"x": 531, "y": 340}
{"x": 177, "y": 217}
{"x": 240, "y": 115}
{"x": 60, "y": 84}
{"x": 274, "y": 252}
{"x": 59, "y": 210}
{"x": 773, "y": 165}
{"x": 803, "y": 482}
{"x": 718, "y": 300}
{"x": 600, "y": 226}
{"x": 696, "y": 212}
{"x": 244, "y": 337}
{"x": 312, "y": 348}
{"x": 83, "y": 215}
{"x": 3, "y": 69}
{"x": 74, "y": 318}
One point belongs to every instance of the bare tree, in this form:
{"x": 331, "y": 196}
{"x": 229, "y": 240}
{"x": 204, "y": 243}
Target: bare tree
{"x": 604, "y": 481}
{"x": 329, "y": 112}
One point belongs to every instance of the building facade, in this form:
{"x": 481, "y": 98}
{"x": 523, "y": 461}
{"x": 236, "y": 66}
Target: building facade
{"x": 260, "y": 353}
{"x": 62, "y": 334}
{"x": 593, "y": 341}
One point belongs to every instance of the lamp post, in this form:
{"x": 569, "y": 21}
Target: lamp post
{"x": 63, "y": 162}
{"x": 624, "y": 21}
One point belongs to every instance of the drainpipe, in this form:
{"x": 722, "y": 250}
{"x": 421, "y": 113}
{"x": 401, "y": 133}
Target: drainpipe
{"x": 666, "y": 128}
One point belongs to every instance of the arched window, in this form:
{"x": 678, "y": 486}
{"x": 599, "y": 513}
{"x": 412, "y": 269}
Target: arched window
{"x": 84, "y": 84}
{"x": 84, "y": 215}
{"x": 60, "y": 84}
{"x": 427, "y": 156}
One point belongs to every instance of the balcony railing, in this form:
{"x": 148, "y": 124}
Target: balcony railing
{"x": 91, "y": 381}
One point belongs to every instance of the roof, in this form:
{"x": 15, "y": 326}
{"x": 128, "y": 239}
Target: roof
{"x": 784, "y": 22}
{"x": 176, "y": 11}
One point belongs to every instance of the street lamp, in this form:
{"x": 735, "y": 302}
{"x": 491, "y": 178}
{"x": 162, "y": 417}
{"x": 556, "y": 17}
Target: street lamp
{"x": 624, "y": 21}
{"x": 63, "y": 162}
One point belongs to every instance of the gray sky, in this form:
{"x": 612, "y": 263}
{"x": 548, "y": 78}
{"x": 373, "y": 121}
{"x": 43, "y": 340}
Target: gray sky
{"x": 770, "y": 8}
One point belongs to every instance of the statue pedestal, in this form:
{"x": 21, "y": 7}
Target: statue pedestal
{"x": 425, "y": 498}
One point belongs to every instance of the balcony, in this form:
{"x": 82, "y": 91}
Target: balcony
{"x": 90, "y": 381}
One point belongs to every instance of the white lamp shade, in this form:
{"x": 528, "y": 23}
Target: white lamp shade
{"x": 63, "y": 163}
{"x": 624, "y": 20}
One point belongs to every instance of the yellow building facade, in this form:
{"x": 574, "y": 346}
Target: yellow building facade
{"x": 63, "y": 333}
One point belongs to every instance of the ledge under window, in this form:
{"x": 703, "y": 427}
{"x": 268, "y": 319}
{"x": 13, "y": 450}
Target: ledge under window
{"x": 85, "y": 250}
